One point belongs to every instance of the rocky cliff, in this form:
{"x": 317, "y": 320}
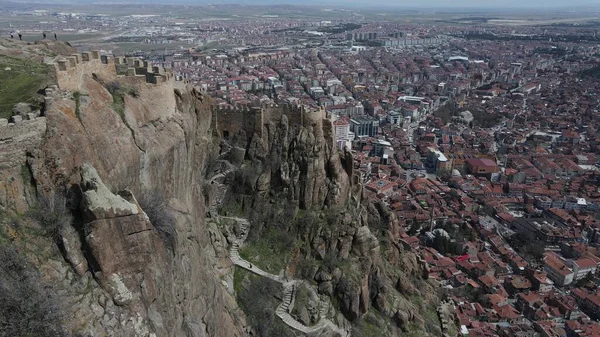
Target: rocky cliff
{"x": 156, "y": 270}
{"x": 308, "y": 219}
{"x": 107, "y": 194}
{"x": 134, "y": 257}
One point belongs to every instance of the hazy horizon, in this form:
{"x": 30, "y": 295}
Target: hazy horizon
{"x": 429, "y": 4}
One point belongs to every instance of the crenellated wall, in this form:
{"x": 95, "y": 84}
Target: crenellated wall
{"x": 157, "y": 85}
{"x": 72, "y": 70}
{"x": 231, "y": 119}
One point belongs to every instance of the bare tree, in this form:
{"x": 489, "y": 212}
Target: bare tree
{"x": 51, "y": 213}
{"x": 155, "y": 205}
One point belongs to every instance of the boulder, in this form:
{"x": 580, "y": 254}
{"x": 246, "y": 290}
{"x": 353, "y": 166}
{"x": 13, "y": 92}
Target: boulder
{"x": 263, "y": 182}
{"x": 3, "y": 122}
{"x": 73, "y": 250}
{"x": 304, "y": 316}
{"x": 323, "y": 276}
{"x": 17, "y": 119}
{"x": 257, "y": 148}
{"x": 21, "y": 109}
{"x": 326, "y": 288}
{"x": 348, "y": 294}
{"x": 237, "y": 155}
{"x": 364, "y": 241}
{"x": 99, "y": 202}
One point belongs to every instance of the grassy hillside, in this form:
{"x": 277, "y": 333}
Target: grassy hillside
{"x": 21, "y": 79}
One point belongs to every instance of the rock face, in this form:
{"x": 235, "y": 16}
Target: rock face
{"x": 140, "y": 276}
{"x": 297, "y": 161}
{"x": 20, "y": 144}
{"x": 98, "y": 201}
{"x": 365, "y": 273}
{"x": 120, "y": 238}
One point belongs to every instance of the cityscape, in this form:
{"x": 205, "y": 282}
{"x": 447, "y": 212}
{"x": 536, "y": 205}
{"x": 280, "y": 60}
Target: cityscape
{"x": 477, "y": 134}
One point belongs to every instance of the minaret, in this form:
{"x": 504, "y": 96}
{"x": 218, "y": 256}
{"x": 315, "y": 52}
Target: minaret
{"x": 524, "y": 110}
{"x": 431, "y": 218}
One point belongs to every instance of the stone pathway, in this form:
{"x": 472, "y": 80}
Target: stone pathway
{"x": 238, "y": 261}
{"x": 222, "y": 188}
{"x": 220, "y": 175}
{"x": 289, "y": 288}
{"x": 442, "y": 311}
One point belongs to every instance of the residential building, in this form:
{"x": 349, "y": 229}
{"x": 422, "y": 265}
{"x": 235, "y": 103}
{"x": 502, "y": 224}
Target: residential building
{"x": 482, "y": 167}
{"x": 364, "y": 126}
{"x": 557, "y": 269}
{"x": 581, "y": 268}
{"x": 438, "y": 160}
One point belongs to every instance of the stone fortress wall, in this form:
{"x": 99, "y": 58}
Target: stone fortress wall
{"x": 252, "y": 119}
{"x": 156, "y": 85}
{"x": 139, "y": 71}
{"x": 71, "y": 70}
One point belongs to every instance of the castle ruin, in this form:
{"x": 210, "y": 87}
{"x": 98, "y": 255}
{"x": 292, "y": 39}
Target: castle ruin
{"x": 72, "y": 70}
{"x": 229, "y": 120}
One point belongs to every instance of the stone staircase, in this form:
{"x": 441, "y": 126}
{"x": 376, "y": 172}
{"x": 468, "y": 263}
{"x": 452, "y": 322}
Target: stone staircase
{"x": 289, "y": 289}
{"x": 323, "y": 308}
{"x": 284, "y": 309}
{"x": 220, "y": 175}
{"x": 234, "y": 255}
{"x": 221, "y": 190}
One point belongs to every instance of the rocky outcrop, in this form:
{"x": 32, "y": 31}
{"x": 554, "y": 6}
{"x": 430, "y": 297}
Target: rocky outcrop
{"x": 290, "y": 165}
{"x": 298, "y": 162}
{"x": 34, "y": 51}
{"x": 122, "y": 241}
{"x": 119, "y": 274}
{"x": 19, "y": 145}
{"x": 350, "y": 253}
{"x": 98, "y": 202}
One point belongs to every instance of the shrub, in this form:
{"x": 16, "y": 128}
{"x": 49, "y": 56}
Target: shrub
{"x": 271, "y": 250}
{"x": 51, "y": 213}
{"x": 118, "y": 93}
{"x": 113, "y": 87}
{"x": 372, "y": 325}
{"x": 27, "y": 308}
{"x": 155, "y": 204}
{"x": 77, "y": 97}
{"x": 26, "y": 175}
{"x": 257, "y": 300}
{"x": 332, "y": 261}
{"x": 133, "y": 92}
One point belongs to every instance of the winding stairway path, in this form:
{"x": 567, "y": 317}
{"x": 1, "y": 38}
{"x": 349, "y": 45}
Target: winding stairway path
{"x": 289, "y": 289}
